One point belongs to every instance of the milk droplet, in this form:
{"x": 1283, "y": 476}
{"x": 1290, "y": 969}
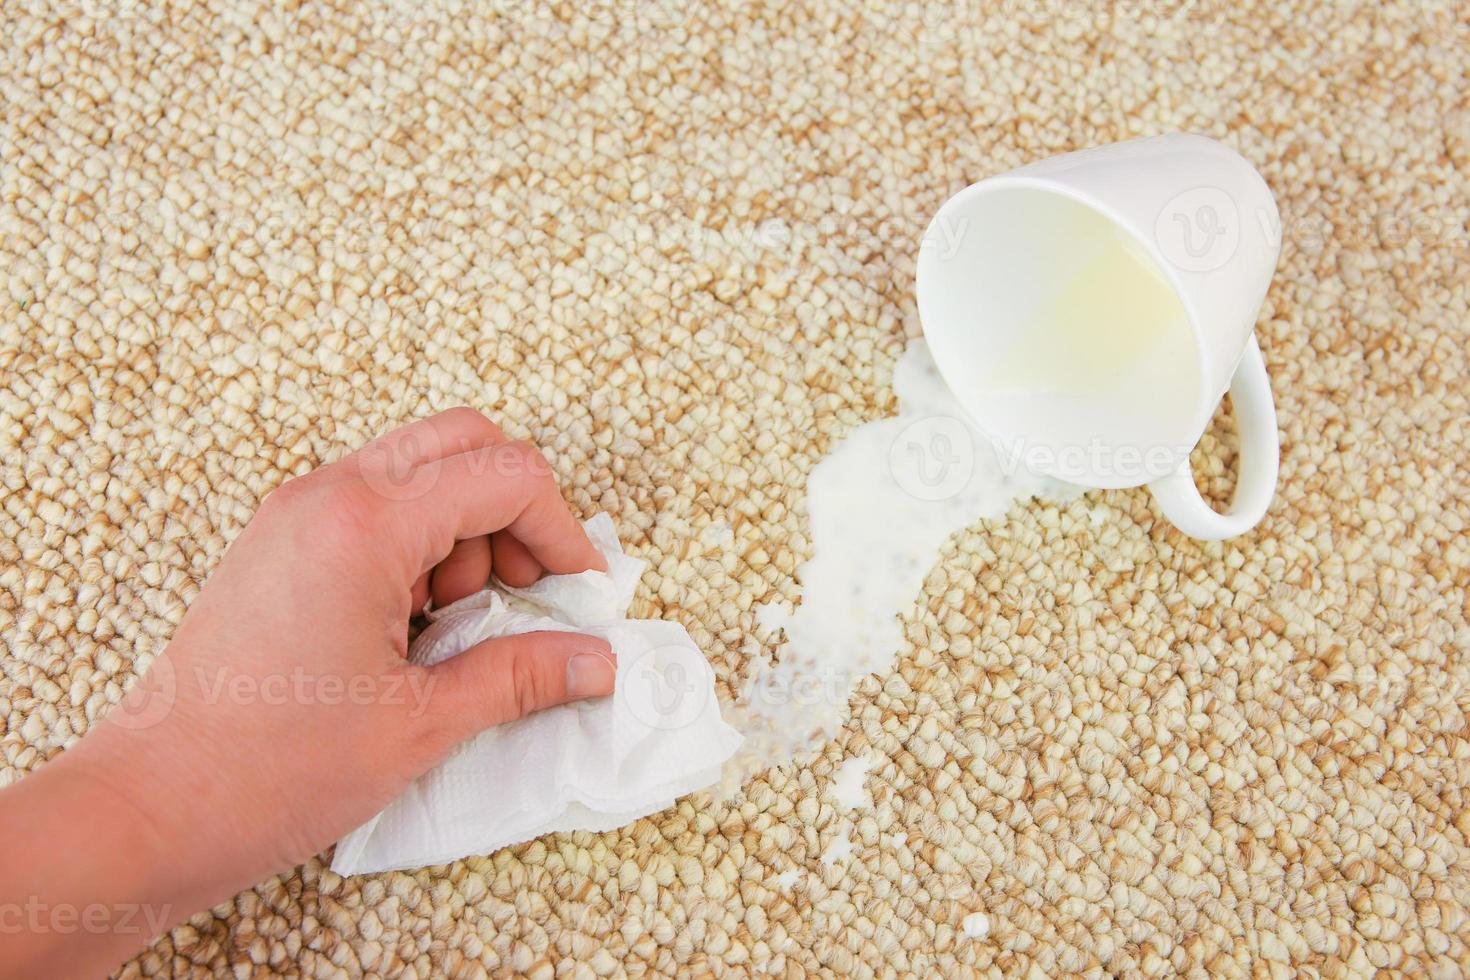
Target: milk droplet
{"x": 848, "y": 790}
{"x": 839, "y": 850}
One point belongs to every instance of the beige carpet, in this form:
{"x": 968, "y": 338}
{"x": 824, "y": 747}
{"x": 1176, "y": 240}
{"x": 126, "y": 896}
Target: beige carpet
{"x": 676, "y": 247}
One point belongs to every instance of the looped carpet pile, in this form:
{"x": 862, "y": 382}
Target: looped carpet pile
{"x": 674, "y": 245}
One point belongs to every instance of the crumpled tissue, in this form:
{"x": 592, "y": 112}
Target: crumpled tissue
{"x": 592, "y": 765}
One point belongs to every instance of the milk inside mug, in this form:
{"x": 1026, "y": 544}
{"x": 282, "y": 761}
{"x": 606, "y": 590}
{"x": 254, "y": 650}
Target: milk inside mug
{"x": 1091, "y": 310}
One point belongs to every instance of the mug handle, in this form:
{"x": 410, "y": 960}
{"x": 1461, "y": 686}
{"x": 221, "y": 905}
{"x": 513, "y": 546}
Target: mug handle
{"x": 1260, "y": 458}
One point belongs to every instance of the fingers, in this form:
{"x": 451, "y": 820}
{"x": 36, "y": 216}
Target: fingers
{"x": 508, "y": 678}
{"x": 418, "y": 596}
{"x": 508, "y": 487}
{"x": 406, "y": 466}
{"x": 458, "y": 430}
{"x": 513, "y": 563}
{"x": 465, "y": 570}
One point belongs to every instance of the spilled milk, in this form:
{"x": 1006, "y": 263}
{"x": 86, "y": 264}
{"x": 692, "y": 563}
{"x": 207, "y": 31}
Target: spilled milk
{"x": 881, "y": 506}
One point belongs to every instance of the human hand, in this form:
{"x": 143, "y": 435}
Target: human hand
{"x": 284, "y": 713}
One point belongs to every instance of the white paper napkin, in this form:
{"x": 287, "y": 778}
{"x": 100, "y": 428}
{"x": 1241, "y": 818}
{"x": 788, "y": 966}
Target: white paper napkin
{"x": 593, "y": 765}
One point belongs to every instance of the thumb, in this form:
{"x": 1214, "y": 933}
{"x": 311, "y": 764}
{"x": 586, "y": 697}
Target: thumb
{"x": 504, "y": 679}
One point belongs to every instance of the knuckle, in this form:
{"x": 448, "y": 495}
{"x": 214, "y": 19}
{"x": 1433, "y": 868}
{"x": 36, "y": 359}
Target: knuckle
{"x": 472, "y": 419}
{"x": 353, "y": 496}
{"x": 528, "y": 683}
{"x": 295, "y": 503}
{"x": 289, "y": 495}
{"x": 348, "y": 509}
{"x": 430, "y": 739}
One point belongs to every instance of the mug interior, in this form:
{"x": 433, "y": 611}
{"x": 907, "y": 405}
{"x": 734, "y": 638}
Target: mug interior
{"x": 1061, "y": 335}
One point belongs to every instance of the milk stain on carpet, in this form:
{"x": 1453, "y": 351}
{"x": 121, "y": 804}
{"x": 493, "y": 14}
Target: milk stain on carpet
{"x": 881, "y": 506}
{"x": 849, "y": 791}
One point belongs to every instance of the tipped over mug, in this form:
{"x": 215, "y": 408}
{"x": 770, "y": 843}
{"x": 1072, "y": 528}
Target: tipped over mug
{"x": 1090, "y": 311}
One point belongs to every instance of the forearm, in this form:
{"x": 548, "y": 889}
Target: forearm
{"x": 85, "y": 877}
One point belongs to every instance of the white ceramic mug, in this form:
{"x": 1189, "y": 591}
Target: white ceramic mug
{"x": 1089, "y": 312}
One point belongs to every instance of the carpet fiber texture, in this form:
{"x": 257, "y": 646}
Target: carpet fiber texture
{"x": 675, "y": 246}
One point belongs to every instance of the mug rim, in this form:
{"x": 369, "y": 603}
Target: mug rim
{"x": 1203, "y": 409}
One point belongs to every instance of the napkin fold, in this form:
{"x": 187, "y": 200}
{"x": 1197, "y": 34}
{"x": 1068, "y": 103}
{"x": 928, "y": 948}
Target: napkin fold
{"x": 591, "y": 765}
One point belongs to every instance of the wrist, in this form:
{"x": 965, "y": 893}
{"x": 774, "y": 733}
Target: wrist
{"x": 81, "y": 886}
{"x": 173, "y": 812}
